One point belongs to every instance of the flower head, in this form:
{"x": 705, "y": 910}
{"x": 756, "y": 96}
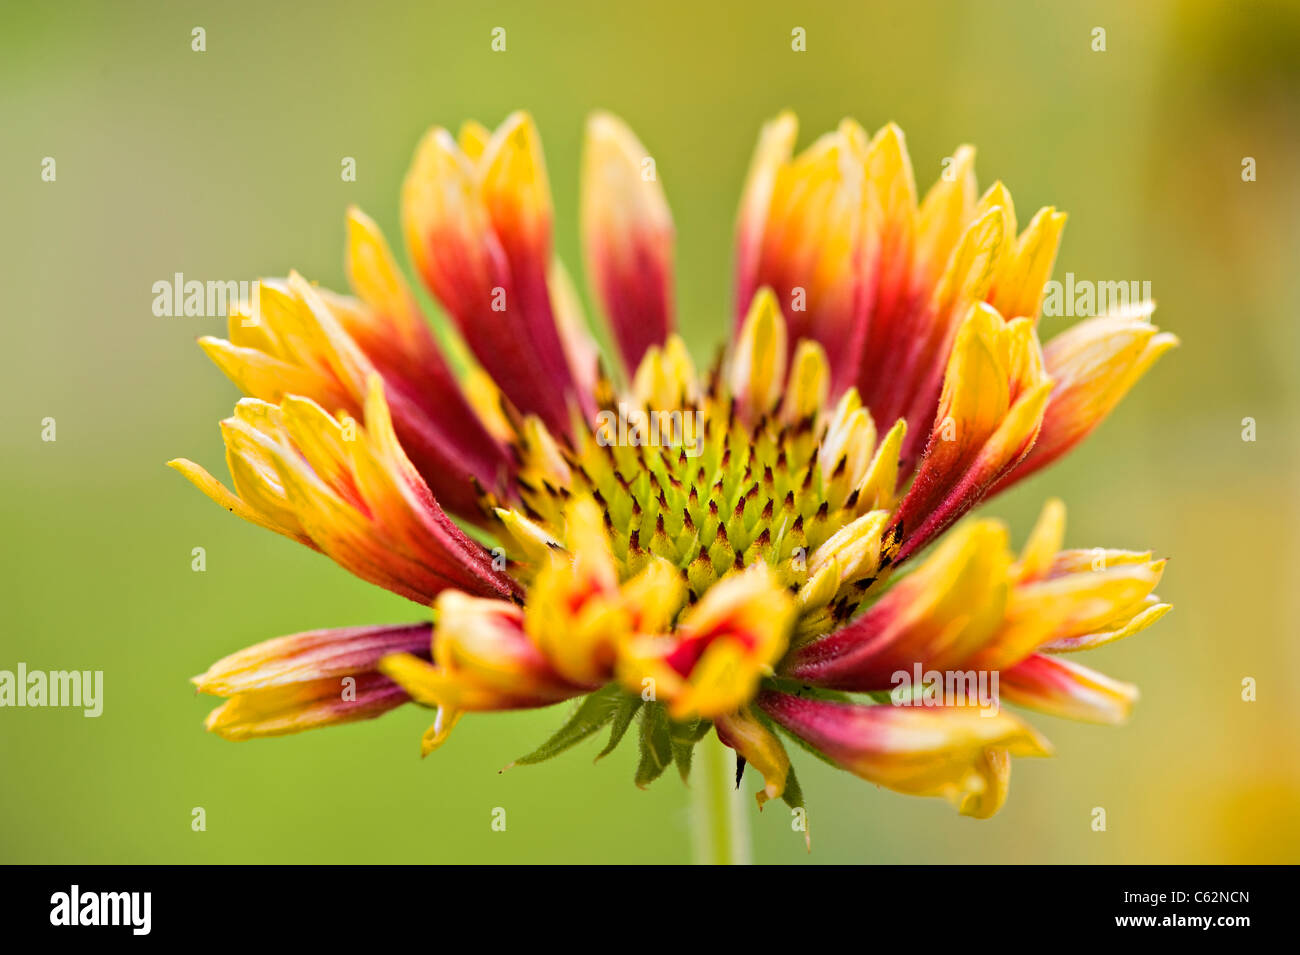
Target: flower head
{"x": 736, "y": 550}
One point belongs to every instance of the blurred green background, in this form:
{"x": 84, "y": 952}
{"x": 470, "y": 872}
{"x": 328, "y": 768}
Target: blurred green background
{"x": 225, "y": 164}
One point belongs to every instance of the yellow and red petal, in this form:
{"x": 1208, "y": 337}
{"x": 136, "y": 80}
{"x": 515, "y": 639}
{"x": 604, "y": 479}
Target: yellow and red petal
{"x": 483, "y": 660}
{"x": 994, "y": 395}
{"x": 1092, "y": 366}
{"x": 938, "y": 616}
{"x": 711, "y": 663}
{"x": 1090, "y": 607}
{"x": 323, "y": 346}
{"x": 803, "y": 232}
{"x": 575, "y": 611}
{"x": 397, "y": 338}
{"x": 727, "y": 642}
{"x": 627, "y": 234}
{"x": 306, "y": 680}
{"x": 908, "y": 342}
{"x": 350, "y": 491}
{"x": 920, "y": 751}
{"x": 479, "y": 232}
{"x": 1061, "y": 687}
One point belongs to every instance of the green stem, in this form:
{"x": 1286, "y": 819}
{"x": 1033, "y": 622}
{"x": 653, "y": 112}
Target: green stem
{"x": 719, "y": 823}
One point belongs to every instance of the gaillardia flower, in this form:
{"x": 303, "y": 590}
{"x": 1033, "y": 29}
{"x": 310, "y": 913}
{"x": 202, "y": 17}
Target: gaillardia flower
{"x": 765, "y": 550}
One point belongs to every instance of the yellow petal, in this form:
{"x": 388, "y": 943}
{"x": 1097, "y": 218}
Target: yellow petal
{"x": 809, "y": 385}
{"x": 759, "y": 362}
{"x": 1044, "y": 542}
{"x": 514, "y": 187}
{"x": 1024, "y": 274}
{"x": 945, "y": 212}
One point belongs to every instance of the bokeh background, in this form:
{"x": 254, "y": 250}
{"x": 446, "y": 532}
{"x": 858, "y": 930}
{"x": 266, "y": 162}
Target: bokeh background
{"x": 225, "y": 165}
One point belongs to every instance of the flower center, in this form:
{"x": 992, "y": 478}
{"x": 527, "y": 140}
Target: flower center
{"x": 698, "y": 486}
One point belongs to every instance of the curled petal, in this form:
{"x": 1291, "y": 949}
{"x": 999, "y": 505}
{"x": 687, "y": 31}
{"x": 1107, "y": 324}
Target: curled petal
{"x": 967, "y": 606}
{"x": 847, "y": 448}
{"x": 396, "y": 336}
{"x": 851, "y": 554}
{"x": 1152, "y": 610}
{"x": 1018, "y": 290}
{"x": 579, "y": 615}
{"x": 483, "y": 660}
{"x": 712, "y": 663}
{"x": 994, "y": 765}
{"x": 1092, "y": 366}
{"x": 1090, "y": 607}
{"x": 308, "y": 680}
{"x": 627, "y": 233}
{"x": 296, "y": 339}
{"x": 349, "y": 491}
{"x": 936, "y": 751}
{"x": 759, "y": 746}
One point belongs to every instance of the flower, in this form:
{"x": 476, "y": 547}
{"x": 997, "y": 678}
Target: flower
{"x": 735, "y": 551}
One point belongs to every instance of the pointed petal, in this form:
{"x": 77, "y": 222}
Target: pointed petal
{"x": 994, "y": 765}
{"x": 1092, "y": 366}
{"x": 311, "y": 655}
{"x": 1063, "y": 688}
{"x": 814, "y": 243}
{"x": 994, "y": 395}
{"x": 1023, "y": 276}
{"x": 627, "y": 234}
{"x": 479, "y": 233}
{"x": 351, "y": 492}
{"x": 774, "y": 149}
{"x": 307, "y": 680}
{"x": 759, "y": 362}
{"x": 937, "y": 616}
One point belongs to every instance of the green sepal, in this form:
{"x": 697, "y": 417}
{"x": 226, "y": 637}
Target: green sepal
{"x": 656, "y": 745}
{"x": 793, "y": 795}
{"x": 595, "y": 710}
{"x": 684, "y": 736}
{"x": 624, "y": 710}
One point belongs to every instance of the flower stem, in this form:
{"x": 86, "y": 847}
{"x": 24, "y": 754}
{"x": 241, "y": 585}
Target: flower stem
{"x": 719, "y": 824}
